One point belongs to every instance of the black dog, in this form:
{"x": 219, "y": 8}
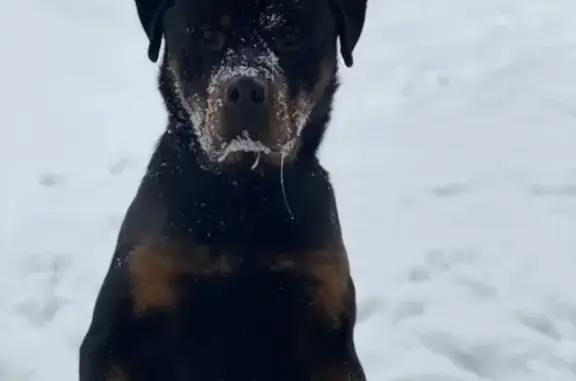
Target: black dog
{"x": 230, "y": 263}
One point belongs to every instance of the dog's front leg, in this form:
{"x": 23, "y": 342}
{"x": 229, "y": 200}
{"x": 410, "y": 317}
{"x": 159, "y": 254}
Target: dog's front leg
{"x": 354, "y": 367}
{"x": 328, "y": 342}
{"x": 337, "y": 359}
{"x": 100, "y": 351}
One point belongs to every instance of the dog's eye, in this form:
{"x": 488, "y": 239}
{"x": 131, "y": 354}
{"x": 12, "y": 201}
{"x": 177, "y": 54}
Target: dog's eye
{"x": 213, "y": 39}
{"x": 288, "y": 39}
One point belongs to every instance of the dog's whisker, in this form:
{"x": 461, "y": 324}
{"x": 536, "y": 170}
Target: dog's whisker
{"x": 256, "y": 161}
{"x": 282, "y": 158}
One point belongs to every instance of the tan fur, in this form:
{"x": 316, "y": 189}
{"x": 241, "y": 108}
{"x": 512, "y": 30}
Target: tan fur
{"x": 329, "y": 270}
{"x": 116, "y": 374}
{"x": 155, "y": 268}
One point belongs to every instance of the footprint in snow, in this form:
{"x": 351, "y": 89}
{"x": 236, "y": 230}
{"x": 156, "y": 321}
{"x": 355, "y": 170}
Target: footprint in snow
{"x": 368, "y": 307}
{"x": 119, "y": 167}
{"x": 567, "y": 190}
{"x": 43, "y": 274}
{"x": 450, "y": 189}
{"x": 51, "y": 180}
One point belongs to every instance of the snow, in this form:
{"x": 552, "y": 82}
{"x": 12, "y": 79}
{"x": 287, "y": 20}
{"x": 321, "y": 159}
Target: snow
{"x": 451, "y": 150}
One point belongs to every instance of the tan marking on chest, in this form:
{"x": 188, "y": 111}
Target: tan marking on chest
{"x": 329, "y": 272}
{"x": 332, "y": 290}
{"x": 225, "y": 21}
{"x": 116, "y": 374}
{"x": 154, "y": 271}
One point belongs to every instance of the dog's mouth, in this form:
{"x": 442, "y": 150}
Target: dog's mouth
{"x": 244, "y": 149}
{"x": 243, "y": 144}
{"x": 246, "y": 112}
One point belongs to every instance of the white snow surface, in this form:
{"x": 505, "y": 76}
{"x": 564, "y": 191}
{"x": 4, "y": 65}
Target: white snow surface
{"x": 452, "y": 151}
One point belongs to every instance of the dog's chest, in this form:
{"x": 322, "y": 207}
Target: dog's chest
{"x": 210, "y": 312}
{"x": 203, "y": 281}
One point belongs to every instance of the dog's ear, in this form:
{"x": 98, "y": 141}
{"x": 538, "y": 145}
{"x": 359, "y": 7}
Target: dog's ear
{"x": 150, "y": 13}
{"x": 350, "y": 16}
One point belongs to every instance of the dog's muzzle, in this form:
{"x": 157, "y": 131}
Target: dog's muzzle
{"x": 246, "y": 108}
{"x": 246, "y": 111}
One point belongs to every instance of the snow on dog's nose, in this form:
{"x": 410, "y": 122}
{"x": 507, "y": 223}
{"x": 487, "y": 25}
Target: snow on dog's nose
{"x": 246, "y": 108}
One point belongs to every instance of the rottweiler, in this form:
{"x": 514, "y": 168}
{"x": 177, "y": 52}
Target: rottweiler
{"x": 230, "y": 263}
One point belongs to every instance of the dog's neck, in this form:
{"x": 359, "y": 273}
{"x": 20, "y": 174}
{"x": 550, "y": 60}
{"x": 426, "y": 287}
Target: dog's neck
{"x": 271, "y": 209}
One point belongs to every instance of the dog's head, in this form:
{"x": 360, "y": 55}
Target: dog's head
{"x": 248, "y": 76}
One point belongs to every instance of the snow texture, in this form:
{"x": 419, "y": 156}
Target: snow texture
{"x": 451, "y": 149}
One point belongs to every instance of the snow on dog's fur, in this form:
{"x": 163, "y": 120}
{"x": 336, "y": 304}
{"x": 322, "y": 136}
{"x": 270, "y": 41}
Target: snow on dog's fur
{"x": 288, "y": 117}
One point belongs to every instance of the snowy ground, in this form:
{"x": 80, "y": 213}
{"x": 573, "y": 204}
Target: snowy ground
{"x": 452, "y": 151}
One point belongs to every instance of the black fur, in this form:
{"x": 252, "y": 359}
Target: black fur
{"x": 246, "y": 322}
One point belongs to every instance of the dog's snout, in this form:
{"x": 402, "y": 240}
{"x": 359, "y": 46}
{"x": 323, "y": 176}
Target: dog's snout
{"x": 247, "y": 92}
{"x": 246, "y": 109}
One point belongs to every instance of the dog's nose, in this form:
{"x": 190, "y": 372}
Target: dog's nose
{"x": 247, "y": 92}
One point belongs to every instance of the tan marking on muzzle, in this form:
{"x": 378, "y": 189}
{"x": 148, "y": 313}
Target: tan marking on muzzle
{"x": 281, "y": 126}
{"x": 288, "y": 117}
{"x": 326, "y": 75}
{"x": 204, "y": 112}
